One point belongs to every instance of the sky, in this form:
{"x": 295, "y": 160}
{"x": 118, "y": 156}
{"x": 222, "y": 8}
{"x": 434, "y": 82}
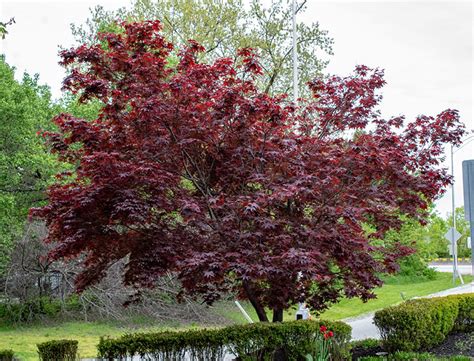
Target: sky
{"x": 425, "y": 47}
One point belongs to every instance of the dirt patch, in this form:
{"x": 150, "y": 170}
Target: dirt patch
{"x": 456, "y": 344}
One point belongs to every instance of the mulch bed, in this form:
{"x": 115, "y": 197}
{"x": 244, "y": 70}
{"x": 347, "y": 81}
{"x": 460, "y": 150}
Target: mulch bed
{"x": 456, "y": 344}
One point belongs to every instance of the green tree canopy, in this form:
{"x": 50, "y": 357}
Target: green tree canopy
{"x": 3, "y": 27}
{"x": 224, "y": 26}
{"x": 25, "y": 165}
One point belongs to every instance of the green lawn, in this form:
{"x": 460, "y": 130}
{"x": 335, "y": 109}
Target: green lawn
{"x": 388, "y": 294}
{"x": 23, "y": 340}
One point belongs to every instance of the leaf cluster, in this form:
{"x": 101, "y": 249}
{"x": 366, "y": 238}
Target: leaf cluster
{"x": 190, "y": 168}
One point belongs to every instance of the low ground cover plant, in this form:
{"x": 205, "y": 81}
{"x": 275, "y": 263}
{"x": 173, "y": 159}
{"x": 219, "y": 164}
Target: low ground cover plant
{"x": 259, "y": 341}
{"x": 424, "y": 323}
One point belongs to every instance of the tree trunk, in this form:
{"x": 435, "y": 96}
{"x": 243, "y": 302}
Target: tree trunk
{"x": 278, "y": 315}
{"x": 262, "y": 316}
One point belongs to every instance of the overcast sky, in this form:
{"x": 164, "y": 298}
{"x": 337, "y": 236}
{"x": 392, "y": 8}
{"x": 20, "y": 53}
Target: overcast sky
{"x": 425, "y": 47}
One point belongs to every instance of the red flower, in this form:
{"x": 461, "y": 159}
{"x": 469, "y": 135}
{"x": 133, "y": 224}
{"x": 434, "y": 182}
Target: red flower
{"x": 323, "y": 328}
{"x": 331, "y": 334}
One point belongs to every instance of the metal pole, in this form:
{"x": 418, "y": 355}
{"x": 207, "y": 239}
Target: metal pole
{"x": 453, "y": 207}
{"x": 295, "y": 56}
{"x": 453, "y": 247}
{"x": 246, "y": 315}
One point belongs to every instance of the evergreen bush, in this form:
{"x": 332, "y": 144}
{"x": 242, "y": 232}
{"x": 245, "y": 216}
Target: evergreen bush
{"x": 258, "y": 341}
{"x": 58, "y": 350}
{"x": 423, "y": 323}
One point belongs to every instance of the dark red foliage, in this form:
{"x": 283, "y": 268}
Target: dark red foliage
{"x": 191, "y": 169}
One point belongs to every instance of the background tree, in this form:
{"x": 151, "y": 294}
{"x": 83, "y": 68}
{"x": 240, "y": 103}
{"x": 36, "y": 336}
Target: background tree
{"x": 224, "y": 27}
{"x": 427, "y": 239}
{"x": 3, "y": 27}
{"x": 191, "y": 169}
{"x": 25, "y": 165}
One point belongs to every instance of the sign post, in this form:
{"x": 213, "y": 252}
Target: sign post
{"x": 452, "y": 235}
{"x": 468, "y": 187}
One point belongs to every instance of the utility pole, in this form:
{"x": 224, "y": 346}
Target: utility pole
{"x": 454, "y": 243}
{"x": 453, "y": 210}
{"x": 295, "y": 56}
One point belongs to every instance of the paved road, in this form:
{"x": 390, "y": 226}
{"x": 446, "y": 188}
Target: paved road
{"x": 363, "y": 326}
{"x": 464, "y": 269}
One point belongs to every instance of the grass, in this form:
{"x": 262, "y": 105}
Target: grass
{"x": 389, "y": 294}
{"x": 23, "y": 340}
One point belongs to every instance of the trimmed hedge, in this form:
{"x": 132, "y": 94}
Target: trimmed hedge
{"x": 58, "y": 350}
{"x": 423, "y": 323}
{"x": 465, "y": 320}
{"x": 258, "y": 341}
{"x": 6, "y": 355}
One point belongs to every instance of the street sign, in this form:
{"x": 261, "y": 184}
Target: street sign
{"x": 452, "y": 232}
{"x": 468, "y": 187}
{"x": 450, "y": 250}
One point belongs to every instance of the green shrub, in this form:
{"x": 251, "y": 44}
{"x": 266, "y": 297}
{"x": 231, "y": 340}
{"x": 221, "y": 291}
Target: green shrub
{"x": 249, "y": 342}
{"x": 58, "y": 350}
{"x": 423, "y": 323}
{"x": 465, "y": 320}
{"x": 6, "y": 355}
{"x": 366, "y": 343}
{"x": 415, "y": 268}
{"x": 36, "y": 309}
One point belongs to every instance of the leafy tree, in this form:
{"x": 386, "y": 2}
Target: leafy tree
{"x": 25, "y": 165}
{"x": 435, "y": 244}
{"x": 224, "y": 27}
{"x": 190, "y": 168}
{"x": 3, "y": 27}
{"x": 424, "y": 238}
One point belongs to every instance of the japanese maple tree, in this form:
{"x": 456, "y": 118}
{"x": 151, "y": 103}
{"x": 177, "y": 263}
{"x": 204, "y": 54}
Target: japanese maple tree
{"x": 190, "y": 169}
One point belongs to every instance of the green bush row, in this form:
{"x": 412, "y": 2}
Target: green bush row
{"x": 58, "y": 350}
{"x": 6, "y": 355}
{"x": 423, "y": 323}
{"x": 35, "y": 309}
{"x": 258, "y": 341}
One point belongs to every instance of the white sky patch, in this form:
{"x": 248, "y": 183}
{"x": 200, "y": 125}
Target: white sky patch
{"x": 425, "y": 47}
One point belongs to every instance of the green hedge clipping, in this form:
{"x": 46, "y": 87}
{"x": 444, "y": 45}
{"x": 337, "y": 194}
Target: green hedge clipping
{"x": 58, "y": 350}
{"x": 6, "y": 355}
{"x": 423, "y": 323}
{"x": 258, "y": 341}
